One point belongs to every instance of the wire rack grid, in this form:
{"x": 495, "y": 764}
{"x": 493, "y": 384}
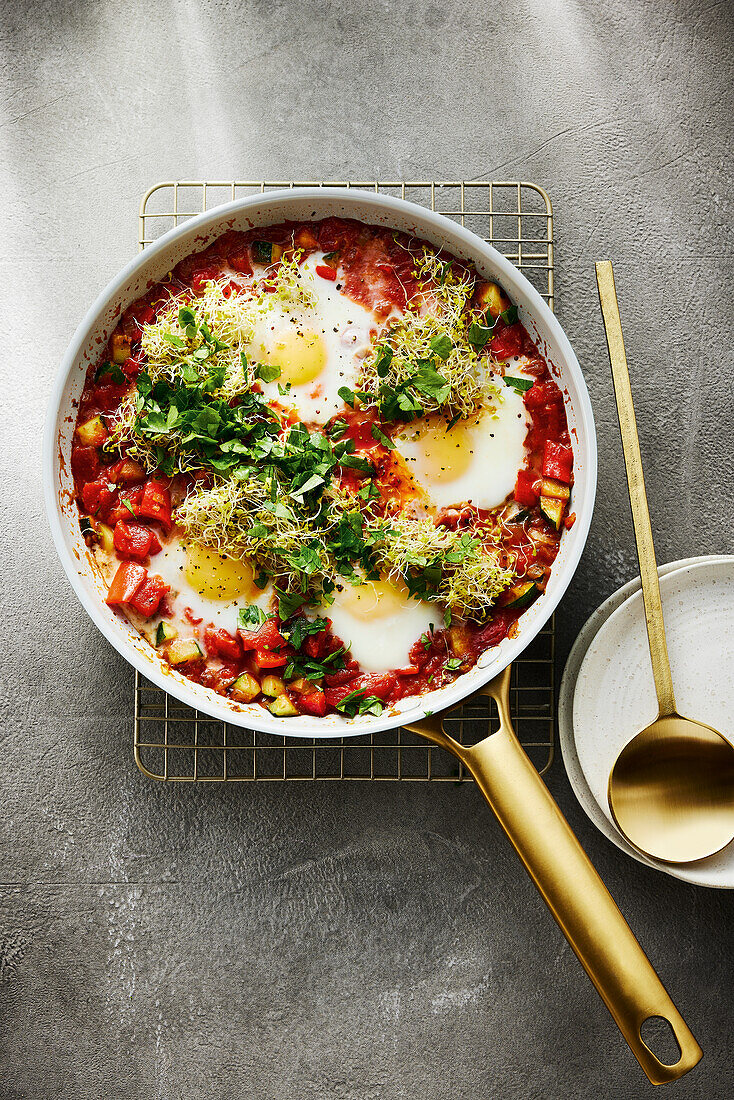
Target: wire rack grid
{"x": 174, "y": 743}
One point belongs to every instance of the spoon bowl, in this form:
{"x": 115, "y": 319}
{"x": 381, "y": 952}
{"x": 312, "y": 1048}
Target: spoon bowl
{"x": 671, "y": 790}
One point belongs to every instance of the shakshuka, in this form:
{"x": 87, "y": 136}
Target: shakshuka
{"x": 322, "y": 467}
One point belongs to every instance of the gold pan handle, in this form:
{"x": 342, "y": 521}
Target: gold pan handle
{"x": 571, "y": 888}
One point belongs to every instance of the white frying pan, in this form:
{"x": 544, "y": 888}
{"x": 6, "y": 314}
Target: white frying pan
{"x": 570, "y": 886}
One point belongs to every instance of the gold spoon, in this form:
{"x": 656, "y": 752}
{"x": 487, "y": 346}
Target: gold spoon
{"x": 671, "y": 790}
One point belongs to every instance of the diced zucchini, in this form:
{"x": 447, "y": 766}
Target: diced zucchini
{"x": 184, "y": 650}
{"x": 165, "y": 633}
{"x": 245, "y": 688}
{"x": 272, "y": 685}
{"x": 265, "y": 252}
{"x": 130, "y": 470}
{"x": 521, "y": 595}
{"x": 121, "y": 346}
{"x": 459, "y": 639}
{"x": 282, "y": 707}
{"x": 303, "y": 686}
{"x": 553, "y": 510}
{"x": 87, "y": 528}
{"x": 106, "y": 537}
{"x": 93, "y": 433}
{"x": 304, "y": 238}
{"x": 492, "y": 299}
{"x": 549, "y": 487}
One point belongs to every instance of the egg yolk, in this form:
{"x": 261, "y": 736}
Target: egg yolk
{"x": 301, "y": 356}
{"x": 218, "y": 578}
{"x": 373, "y": 599}
{"x": 440, "y": 455}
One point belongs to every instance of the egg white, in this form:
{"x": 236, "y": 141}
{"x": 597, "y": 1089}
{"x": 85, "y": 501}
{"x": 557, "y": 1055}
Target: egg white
{"x": 318, "y": 348}
{"x": 379, "y": 623}
{"x": 476, "y": 460}
{"x": 174, "y": 567}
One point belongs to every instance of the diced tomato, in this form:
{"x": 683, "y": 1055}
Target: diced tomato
{"x": 85, "y": 463}
{"x": 325, "y": 272}
{"x": 218, "y": 675}
{"x": 526, "y": 488}
{"x": 267, "y": 636}
{"x": 149, "y": 595}
{"x": 380, "y": 686}
{"x": 131, "y": 368}
{"x": 142, "y": 313}
{"x": 265, "y": 658}
{"x": 239, "y": 261}
{"x": 496, "y": 629}
{"x": 221, "y": 642}
{"x": 97, "y": 497}
{"x": 155, "y": 502}
{"x": 191, "y": 618}
{"x": 342, "y": 675}
{"x": 312, "y": 703}
{"x": 543, "y": 393}
{"x": 557, "y": 461}
{"x": 125, "y": 583}
{"x": 121, "y": 510}
{"x": 508, "y": 341}
{"x": 204, "y": 275}
{"x": 569, "y": 520}
{"x": 133, "y": 540}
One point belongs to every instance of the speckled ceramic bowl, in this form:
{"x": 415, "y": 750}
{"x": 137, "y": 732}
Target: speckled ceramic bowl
{"x": 303, "y": 205}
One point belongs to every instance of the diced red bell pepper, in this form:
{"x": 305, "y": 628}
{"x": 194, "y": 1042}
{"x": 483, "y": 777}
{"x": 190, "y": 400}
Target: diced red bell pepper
{"x": 155, "y": 502}
{"x": 221, "y": 642}
{"x": 508, "y": 341}
{"x": 134, "y": 540}
{"x": 126, "y": 582}
{"x": 312, "y": 703}
{"x": 265, "y": 658}
{"x": 85, "y": 463}
{"x": 569, "y": 520}
{"x": 326, "y": 272}
{"x": 526, "y": 491}
{"x": 149, "y": 595}
{"x": 98, "y": 496}
{"x": 266, "y": 636}
{"x": 557, "y": 461}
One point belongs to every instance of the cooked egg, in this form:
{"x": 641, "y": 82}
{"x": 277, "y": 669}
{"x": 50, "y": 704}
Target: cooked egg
{"x": 212, "y": 586}
{"x": 475, "y": 460}
{"x": 318, "y": 349}
{"x": 379, "y": 622}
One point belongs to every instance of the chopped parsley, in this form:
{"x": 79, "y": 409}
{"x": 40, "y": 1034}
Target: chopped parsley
{"x": 519, "y": 384}
{"x": 358, "y": 702}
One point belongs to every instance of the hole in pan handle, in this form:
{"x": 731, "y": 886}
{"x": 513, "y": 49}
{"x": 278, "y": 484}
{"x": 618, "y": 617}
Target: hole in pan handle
{"x": 569, "y": 885}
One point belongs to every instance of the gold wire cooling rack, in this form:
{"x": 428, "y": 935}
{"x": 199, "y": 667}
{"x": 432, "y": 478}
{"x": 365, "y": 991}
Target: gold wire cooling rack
{"x": 174, "y": 743}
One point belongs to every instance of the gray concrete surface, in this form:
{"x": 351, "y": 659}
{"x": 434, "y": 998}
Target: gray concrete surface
{"x": 363, "y": 942}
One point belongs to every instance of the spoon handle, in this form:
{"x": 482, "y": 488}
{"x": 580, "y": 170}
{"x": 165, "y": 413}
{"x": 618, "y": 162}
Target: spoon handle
{"x": 638, "y": 497}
